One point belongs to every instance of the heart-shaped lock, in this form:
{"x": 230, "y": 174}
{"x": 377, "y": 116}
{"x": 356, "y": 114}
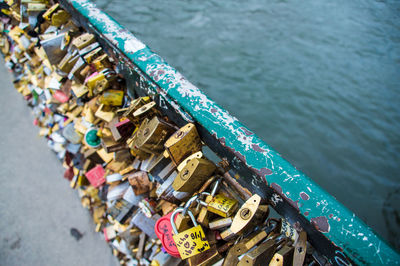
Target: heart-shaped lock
{"x": 163, "y": 230}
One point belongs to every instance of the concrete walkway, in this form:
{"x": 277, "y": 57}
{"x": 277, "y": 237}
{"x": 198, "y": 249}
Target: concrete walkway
{"x": 37, "y": 206}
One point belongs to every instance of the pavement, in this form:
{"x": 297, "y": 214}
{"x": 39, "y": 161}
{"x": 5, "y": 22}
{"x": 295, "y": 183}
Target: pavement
{"x": 37, "y": 206}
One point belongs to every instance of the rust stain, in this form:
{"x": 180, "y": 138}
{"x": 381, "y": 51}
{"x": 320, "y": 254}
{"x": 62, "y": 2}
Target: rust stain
{"x": 213, "y": 110}
{"x": 321, "y": 224}
{"x": 263, "y": 172}
{"x": 278, "y": 189}
{"x": 306, "y": 213}
{"x": 256, "y": 147}
{"x": 304, "y": 196}
{"x": 331, "y": 216}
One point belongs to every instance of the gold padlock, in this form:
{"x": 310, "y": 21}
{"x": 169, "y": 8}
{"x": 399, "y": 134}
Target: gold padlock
{"x": 222, "y": 205}
{"x": 260, "y": 255}
{"x": 152, "y": 134}
{"x": 283, "y": 257}
{"x": 112, "y": 97}
{"x": 191, "y": 241}
{"x": 102, "y": 62}
{"x": 135, "y": 105}
{"x": 193, "y": 175}
{"x": 249, "y": 213}
{"x": 83, "y": 40}
{"x": 183, "y": 143}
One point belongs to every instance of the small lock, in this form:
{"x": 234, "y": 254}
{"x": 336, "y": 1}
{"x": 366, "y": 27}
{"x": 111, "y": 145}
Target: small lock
{"x": 102, "y": 62}
{"x": 283, "y": 257}
{"x": 135, "y": 105}
{"x": 260, "y": 255}
{"x": 112, "y": 97}
{"x": 151, "y": 135}
{"x": 83, "y": 40}
{"x": 163, "y": 230}
{"x": 221, "y": 205}
{"x": 183, "y": 143}
{"x": 193, "y": 175}
{"x": 191, "y": 241}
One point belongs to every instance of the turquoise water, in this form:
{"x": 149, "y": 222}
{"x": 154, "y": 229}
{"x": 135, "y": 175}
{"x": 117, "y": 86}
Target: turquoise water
{"x": 317, "y": 80}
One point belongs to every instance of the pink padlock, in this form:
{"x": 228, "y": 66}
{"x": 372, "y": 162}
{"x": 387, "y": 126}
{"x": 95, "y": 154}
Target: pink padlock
{"x": 163, "y": 230}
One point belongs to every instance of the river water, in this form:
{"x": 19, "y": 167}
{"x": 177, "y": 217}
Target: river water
{"x": 317, "y": 80}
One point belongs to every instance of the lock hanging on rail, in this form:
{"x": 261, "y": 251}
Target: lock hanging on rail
{"x": 191, "y": 241}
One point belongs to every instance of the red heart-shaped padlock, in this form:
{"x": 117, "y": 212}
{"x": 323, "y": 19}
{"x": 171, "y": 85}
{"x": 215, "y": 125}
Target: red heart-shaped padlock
{"x": 163, "y": 231}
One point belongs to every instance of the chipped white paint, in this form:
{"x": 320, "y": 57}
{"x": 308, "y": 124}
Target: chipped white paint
{"x": 112, "y": 30}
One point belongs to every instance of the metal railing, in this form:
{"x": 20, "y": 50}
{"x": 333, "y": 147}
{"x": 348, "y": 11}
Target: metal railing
{"x": 333, "y": 230}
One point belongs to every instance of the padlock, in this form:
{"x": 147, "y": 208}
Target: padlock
{"x": 121, "y": 130}
{"x": 92, "y": 55}
{"x": 112, "y": 97}
{"x": 183, "y": 143}
{"x": 163, "y": 230}
{"x": 140, "y": 182}
{"x": 245, "y": 245}
{"x": 59, "y": 18}
{"x": 250, "y": 212}
{"x": 221, "y": 205}
{"x": 193, "y": 175}
{"x": 135, "y": 105}
{"x": 300, "y": 249}
{"x": 284, "y": 256}
{"x": 102, "y": 62}
{"x": 121, "y": 210}
{"x": 104, "y": 115}
{"x": 220, "y": 223}
{"x": 260, "y": 255}
{"x": 83, "y": 40}
{"x": 147, "y": 110}
{"x": 49, "y": 12}
{"x": 151, "y": 135}
{"x": 191, "y": 241}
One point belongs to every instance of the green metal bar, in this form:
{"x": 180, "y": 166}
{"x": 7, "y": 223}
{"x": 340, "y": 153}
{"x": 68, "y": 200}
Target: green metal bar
{"x": 330, "y": 217}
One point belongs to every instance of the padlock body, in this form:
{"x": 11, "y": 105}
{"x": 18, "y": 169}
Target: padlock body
{"x": 222, "y": 205}
{"x": 191, "y": 242}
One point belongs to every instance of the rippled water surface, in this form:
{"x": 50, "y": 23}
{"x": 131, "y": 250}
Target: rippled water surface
{"x": 317, "y": 80}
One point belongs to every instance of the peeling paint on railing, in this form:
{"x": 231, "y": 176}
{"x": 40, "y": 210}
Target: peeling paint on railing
{"x": 327, "y": 215}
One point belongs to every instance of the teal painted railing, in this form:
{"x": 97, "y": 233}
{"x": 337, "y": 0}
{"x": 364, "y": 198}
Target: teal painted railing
{"x": 334, "y": 221}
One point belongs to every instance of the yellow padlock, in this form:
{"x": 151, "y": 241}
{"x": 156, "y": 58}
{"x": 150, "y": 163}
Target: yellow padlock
{"x": 222, "y": 205}
{"x": 191, "y": 241}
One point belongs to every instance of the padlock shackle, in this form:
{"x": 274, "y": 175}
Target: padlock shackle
{"x": 172, "y": 219}
{"x": 215, "y": 187}
{"x": 189, "y": 203}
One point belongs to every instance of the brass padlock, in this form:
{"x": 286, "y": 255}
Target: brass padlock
{"x": 147, "y": 110}
{"x": 193, "y": 175}
{"x": 220, "y": 223}
{"x": 244, "y": 246}
{"x": 183, "y": 143}
{"x": 112, "y": 97}
{"x": 102, "y": 62}
{"x": 300, "y": 249}
{"x": 135, "y": 105}
{"x": 283, "y": 257}
{"x": 191, "y": 241}
{"x": 260, "y": 255}
{"x": 83, "y": 40}
{"x": 151, "y": 135}
{"x": 250, "y": 212}
{"x": 221, "y": 205}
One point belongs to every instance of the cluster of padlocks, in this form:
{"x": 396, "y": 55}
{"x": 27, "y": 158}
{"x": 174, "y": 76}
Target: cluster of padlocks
{"x": 152, "y": 192}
